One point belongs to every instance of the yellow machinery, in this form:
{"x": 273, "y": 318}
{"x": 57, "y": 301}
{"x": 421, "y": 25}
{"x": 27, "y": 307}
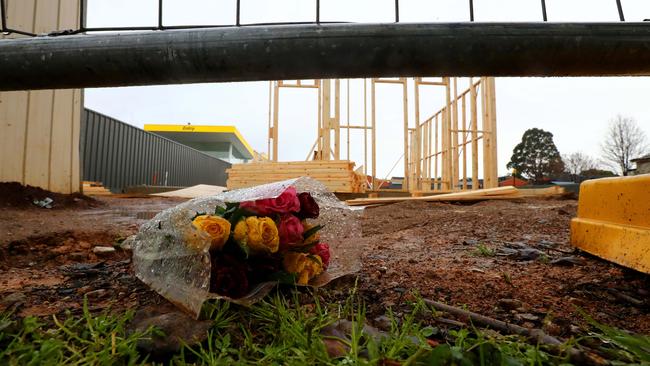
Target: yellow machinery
{"x": 614, "y": 220}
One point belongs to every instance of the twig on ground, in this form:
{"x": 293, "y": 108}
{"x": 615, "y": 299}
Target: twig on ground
{"x": 496, "y": 324}
{"x": 575, "y": 354}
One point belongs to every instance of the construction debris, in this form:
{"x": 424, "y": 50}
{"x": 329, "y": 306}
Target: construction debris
{"x": 95, "y": 189}
{"x": 199, "y": 190}
{"x": 336, "y": 175}
{"x": 501, "y": 193}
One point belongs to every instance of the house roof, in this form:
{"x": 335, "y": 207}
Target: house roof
{"x": 643, "y": 158}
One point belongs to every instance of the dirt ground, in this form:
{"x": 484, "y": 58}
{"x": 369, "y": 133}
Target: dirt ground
{"x": 505, "y": 259}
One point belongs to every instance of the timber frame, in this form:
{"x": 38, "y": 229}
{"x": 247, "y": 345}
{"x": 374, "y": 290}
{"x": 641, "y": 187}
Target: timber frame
{"x": 440, "y": 153}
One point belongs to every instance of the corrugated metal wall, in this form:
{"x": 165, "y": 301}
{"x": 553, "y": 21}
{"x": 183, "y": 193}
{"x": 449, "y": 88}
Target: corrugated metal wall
{"x": 120, "y": 155}
{"x": 39, "y": 130}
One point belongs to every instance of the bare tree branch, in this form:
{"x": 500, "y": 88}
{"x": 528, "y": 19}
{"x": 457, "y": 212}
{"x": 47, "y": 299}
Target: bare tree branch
{"x": 624, "y": 141}
{"x": 576, "y": 163}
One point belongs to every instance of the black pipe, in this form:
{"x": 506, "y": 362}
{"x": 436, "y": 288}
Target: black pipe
{"x": 160, "y": 14}
{"x": 82, "y": 15}
{"x": 619, "y": 6}
{"x": 3, "y": 23}
{"x": 544, "y": 16}
{"x": 396, "y": 11}
{"x": 238, "y": 13}
{"x": 471, "y": 10}
{"x": 325, "y": 51}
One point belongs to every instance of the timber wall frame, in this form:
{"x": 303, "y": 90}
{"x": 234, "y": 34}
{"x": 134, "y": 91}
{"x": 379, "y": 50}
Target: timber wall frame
{"x": 439, "y": 152}
{"x": 439, "y": 145}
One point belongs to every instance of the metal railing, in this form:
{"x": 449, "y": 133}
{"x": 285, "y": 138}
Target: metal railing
{"x": 160, "y": 26}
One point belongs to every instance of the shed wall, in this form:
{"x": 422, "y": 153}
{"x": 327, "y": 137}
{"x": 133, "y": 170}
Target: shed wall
{"x": 120, "y": 155}
{"x": 39, "y": 130}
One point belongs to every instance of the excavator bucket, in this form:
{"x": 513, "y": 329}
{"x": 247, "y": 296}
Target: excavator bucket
{"x": 614, "y": 220}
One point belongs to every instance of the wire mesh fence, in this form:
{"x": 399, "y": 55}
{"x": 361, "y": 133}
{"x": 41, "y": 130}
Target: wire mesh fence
{"x": 237, "y": 19}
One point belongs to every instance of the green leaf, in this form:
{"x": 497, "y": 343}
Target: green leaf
{"x": 304, "y": 248}
{"x": 284, "y": 277}
{"x": 220, "y": 211}
{"x": 311, "y": 231}
{"x": 245, "y": 249}
{"x": 428, "y": 331}
{"x": 237, "y": 215}
{"x": 198, "y": 214}
{"x": 313, "y": 259}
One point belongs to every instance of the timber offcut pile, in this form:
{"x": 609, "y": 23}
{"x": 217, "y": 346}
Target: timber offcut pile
{"x": 501, "y": 193}
{"x": 336, "y": 175}
{"x": 95, "y": 189}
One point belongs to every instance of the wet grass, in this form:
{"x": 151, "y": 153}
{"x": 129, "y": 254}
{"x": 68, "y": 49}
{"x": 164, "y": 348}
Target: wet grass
{"x": 294, "y": 328}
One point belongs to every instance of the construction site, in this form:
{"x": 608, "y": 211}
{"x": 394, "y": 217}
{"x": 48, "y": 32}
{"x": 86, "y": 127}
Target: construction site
{"x": 456, "y": 240}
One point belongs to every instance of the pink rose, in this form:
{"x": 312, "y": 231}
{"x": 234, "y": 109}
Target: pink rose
{"x": 323, "y": 251}
{"x": 282, "y": 204}
{"x": 290, "y": 230}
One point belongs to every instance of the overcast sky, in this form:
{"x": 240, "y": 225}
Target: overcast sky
{"x": 575, "y": 110}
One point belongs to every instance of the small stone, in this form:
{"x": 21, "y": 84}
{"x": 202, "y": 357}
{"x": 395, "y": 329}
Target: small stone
{"x": 77, "y": 256}
{"x": 127, "y": 244}
{"x": 470, "y": 242}
{"x": 99, "y": 293}
{"x": 547, "y": 244}
{"x": 567, "y": 261}
{"x": 103, "y": 250}
{"x": 177, "y": 329}
{"x": 15, "y": 297}
{"x": 529, "y": 254}
{"x": 527, "y": 317}
{"x": 382, "y": 269}
{"x": 83, "y": 290}
{"x": 383, "y": 322}
{"x": 509, "y": 304}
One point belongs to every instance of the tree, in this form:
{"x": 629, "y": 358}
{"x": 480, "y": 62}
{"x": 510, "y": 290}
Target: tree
{"x": 624, "y": 141}
{"x": 536, "y": 156}
{"x": 576, "y": 163}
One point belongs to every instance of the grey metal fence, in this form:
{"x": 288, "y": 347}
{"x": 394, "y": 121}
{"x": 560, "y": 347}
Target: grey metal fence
{"x": 120, "y": 156}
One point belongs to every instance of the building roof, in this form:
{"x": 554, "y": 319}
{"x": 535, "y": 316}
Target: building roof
{"x": 643, "y": 158}
{"x": 204, "y": 134}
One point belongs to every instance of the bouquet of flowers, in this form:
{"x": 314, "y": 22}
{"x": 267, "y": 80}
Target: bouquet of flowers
{"x": 268, "y": 239}
{"x": 239, "y": 244}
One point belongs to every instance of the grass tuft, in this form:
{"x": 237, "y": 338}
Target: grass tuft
{"x": 295, "y": 328}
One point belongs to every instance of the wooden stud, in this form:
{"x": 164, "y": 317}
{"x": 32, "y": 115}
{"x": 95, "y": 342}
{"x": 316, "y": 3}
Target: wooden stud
{"x": 337, "y": 119}
{"x": 405, "y": 185}
{"x": 464, "y": 133}
{"x": 416, "y": 98}
{"x": 373, "y": 123}
{"x": 474, "y": 124}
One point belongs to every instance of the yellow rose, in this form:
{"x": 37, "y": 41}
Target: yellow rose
{"x": 306, "y": 266}
{"x": 260, "y": 234}
{"x": 217, "y": 227}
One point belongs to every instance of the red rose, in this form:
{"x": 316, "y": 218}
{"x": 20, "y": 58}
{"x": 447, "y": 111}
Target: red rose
{"x": 228, "y": 276}
{"x": 323, "y": 251}
{"x": 308, "y": 207}
{"x": 282, "y": 204}
{"x": 290, "y": 230}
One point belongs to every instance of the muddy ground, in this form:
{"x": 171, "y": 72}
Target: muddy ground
{"x": 507, "y": 259}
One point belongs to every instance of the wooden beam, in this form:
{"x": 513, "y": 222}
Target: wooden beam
{"x": 474, "y": 123}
